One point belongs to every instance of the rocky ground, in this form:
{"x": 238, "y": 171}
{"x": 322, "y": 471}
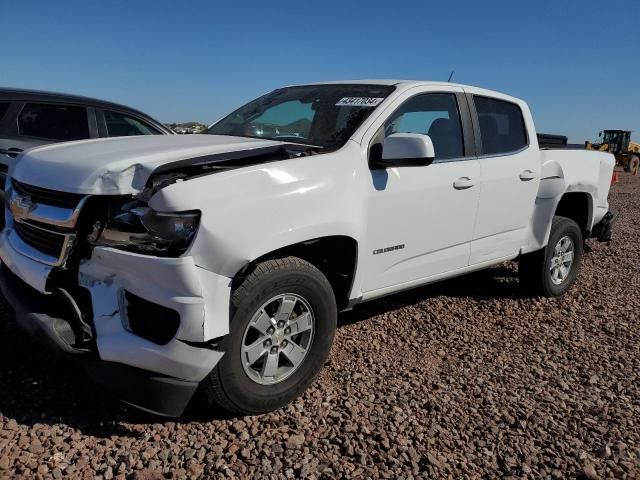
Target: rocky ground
{"x": 465, "y": 379}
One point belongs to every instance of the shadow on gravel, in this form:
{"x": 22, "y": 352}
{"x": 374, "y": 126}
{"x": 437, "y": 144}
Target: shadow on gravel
{"x": 493, "y": 283}
{"x": 37, "y": 387}
{"x": 40, "y": 388}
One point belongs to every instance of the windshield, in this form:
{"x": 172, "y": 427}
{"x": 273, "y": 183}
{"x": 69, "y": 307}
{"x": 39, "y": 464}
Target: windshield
{"x": 319, "y": 115}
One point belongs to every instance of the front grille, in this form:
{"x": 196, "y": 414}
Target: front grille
{"x": 48, "y": 197}
{"x": 46, "y": 241}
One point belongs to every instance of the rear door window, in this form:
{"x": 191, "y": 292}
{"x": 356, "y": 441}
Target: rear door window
{"x": 123, "y": 125}
{"x": 502, "y": 127}
{"x": 54, "y": 122}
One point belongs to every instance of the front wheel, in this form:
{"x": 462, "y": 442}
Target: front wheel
{"x": 634, "y": 164}
{"x": 551, "y": 271}
{"x": 280, "y": 337}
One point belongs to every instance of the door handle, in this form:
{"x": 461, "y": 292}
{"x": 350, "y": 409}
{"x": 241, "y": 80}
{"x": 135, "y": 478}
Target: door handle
{"x": 527, "y": 175}
{"x": 463, "y": 183}
{"x": 12, "y": 152}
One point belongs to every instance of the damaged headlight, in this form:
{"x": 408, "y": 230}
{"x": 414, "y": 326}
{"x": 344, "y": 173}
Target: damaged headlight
{"x": 139, "y": 228}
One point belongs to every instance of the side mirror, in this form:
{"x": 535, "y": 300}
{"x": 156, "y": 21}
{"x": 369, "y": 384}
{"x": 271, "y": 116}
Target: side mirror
{"x": 405, "y": 150}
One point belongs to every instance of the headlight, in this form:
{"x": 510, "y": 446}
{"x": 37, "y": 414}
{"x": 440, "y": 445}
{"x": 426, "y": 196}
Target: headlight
{"x": 139, "y": 228}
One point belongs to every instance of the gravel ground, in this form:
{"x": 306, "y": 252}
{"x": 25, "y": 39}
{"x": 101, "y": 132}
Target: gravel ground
{"x": 465, "y": 379}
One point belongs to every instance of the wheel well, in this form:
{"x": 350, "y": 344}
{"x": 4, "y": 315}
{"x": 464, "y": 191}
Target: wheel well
{"x": 577, "y": 207}
{"x": 334, "y": 256}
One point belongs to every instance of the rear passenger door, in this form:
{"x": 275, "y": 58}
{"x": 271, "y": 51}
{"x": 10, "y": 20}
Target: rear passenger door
{"x": 7, "y": 112}
{"x": 510, "y": 170}
{"x": 6, "y": 154}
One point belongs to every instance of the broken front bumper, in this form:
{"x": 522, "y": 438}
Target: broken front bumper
{"x": 157, "y": 376}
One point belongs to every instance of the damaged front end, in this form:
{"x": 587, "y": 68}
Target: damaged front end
{"x": 104, "y": 279}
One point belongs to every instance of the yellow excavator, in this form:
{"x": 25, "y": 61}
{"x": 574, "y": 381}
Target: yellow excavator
{"x": 619, "y": 143}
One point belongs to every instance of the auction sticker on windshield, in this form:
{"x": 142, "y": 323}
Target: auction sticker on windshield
{"x": 359, "y": 102}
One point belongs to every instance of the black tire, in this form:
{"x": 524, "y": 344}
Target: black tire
{"x": 634, "y": 162}
{"x": 228, "y": 385}
{"x": 535, "y": 268}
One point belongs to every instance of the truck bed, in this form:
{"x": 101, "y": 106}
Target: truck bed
{"x": 548, "y": 141}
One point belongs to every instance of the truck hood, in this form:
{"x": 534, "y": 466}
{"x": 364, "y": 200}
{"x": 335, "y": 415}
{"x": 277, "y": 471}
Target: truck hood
{"x": 119, "y": 166}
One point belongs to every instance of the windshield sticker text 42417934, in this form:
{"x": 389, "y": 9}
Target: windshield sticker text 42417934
{"x": 359, "y": 102}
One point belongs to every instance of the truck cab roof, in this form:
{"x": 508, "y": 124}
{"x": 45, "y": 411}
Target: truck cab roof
{"x": 404, "y": 84}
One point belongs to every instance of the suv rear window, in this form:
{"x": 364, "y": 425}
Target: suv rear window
{"x": 55, "y": 122}
{"x": 4, "y": 106}
{"x": 122, "y": 125}
{"x": 501, "y": 126}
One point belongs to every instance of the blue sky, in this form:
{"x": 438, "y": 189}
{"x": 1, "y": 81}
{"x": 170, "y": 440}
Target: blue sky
{"x": 577, "y": 63}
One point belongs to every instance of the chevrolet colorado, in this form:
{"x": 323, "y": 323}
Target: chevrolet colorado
{"x": 221, "y": 260}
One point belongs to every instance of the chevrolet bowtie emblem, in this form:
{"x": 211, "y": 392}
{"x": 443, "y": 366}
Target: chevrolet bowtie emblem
{"x": 21, "y": 206}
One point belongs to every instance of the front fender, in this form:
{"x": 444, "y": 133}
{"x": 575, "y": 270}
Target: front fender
{"x": 252, "y": 211}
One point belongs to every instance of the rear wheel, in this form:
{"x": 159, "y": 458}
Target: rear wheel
{"x": 551, "y": 271}
{"x": 280, "y": 336}
{"x": 634, "y": 164}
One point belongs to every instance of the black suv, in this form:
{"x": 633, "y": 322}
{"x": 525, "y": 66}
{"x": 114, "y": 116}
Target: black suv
{"x": 30, "y": 118}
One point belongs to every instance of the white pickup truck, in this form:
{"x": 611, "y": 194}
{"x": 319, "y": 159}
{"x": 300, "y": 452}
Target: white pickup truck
{"x": 221, "y": 261}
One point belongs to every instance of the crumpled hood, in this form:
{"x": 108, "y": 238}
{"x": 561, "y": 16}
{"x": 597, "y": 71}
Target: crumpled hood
{"x": 117, "y": 166}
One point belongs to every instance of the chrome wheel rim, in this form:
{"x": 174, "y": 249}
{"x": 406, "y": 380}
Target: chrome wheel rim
{"x": 277, "y": 339}
{"x": 562, "y": 260}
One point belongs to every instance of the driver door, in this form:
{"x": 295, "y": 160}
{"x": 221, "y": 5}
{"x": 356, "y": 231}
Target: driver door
{"x": 420, "y": 219}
